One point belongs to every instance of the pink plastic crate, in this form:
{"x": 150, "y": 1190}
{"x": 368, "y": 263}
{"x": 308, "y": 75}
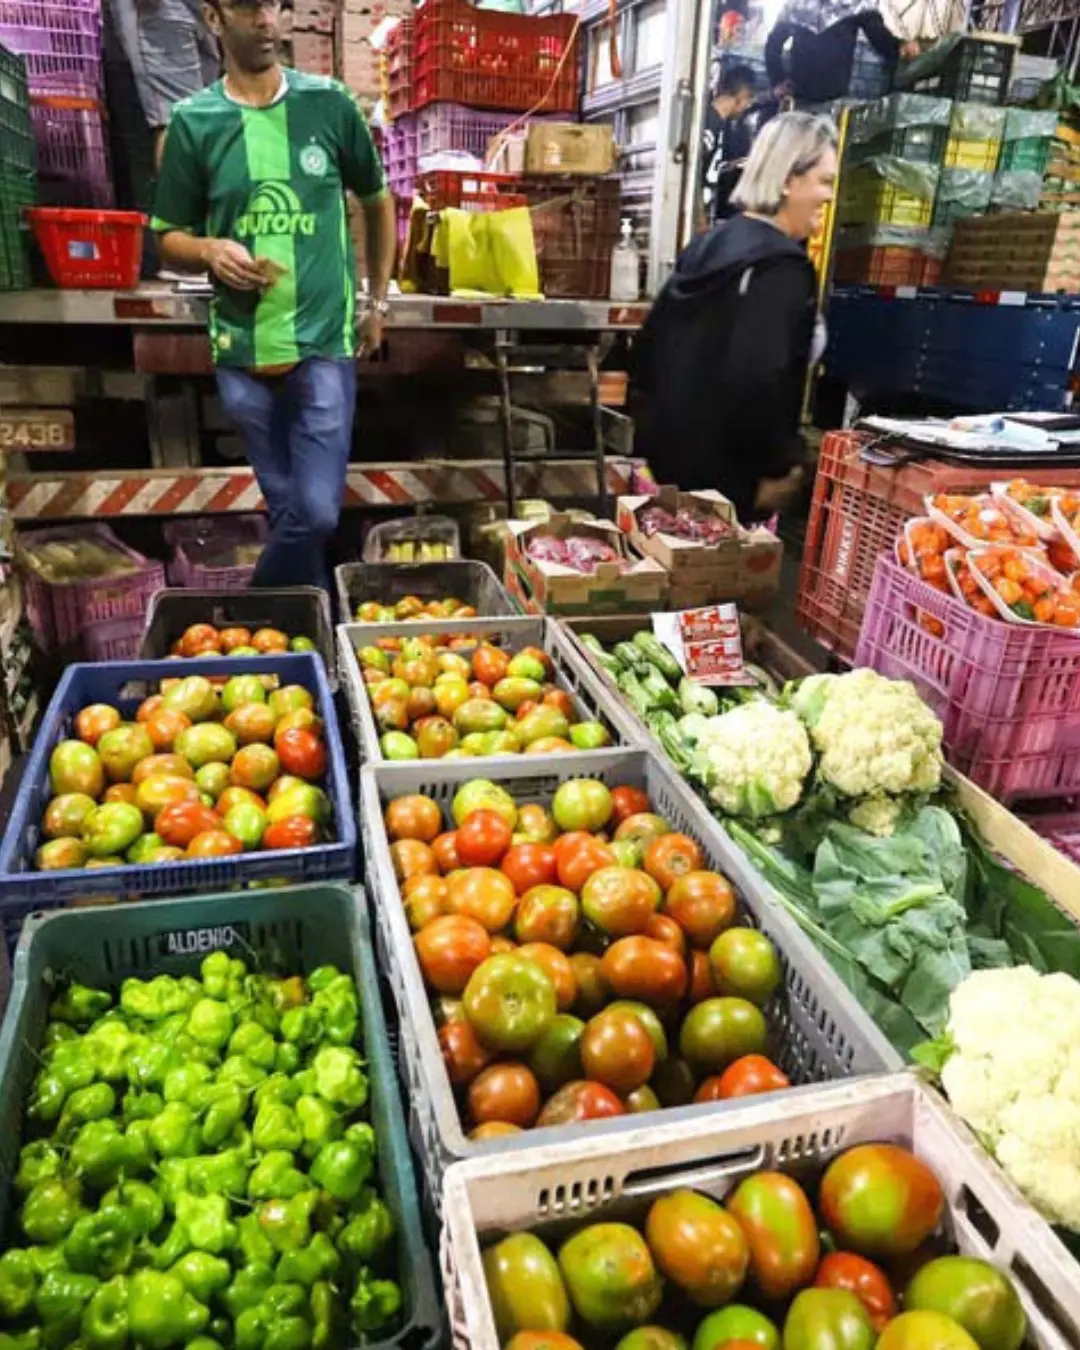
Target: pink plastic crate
{"x": 62, "y": 615}
{"x": 1008, "y": 695}
{"x": 118, "y": 640}
{"x": 192, "y": 540}
{"x": 452, "y": 126}
{"x": 70, "y": 134}
{"x": 1062, "y": 829}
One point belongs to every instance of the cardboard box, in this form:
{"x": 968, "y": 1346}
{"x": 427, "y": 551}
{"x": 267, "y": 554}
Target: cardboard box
{"x": 557, "y": 148}
{"x": 553, "y": 589}
{"x": 744, "y": 568}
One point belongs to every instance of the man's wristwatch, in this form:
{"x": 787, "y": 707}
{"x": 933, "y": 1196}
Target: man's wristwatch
{"x": 379, "y": 307}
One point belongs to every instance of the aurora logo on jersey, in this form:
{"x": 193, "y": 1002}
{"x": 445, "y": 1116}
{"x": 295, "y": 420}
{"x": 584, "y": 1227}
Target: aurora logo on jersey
{"x": 274, "y": 209}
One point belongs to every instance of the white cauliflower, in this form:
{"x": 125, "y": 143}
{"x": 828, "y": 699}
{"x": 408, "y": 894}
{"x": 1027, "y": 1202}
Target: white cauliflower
{"x": 754, "y": 760}
{"x": 875, "y": 738}
{"x": 1013, "y": 1073}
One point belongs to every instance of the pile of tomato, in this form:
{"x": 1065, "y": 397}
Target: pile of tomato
{"x": 762, "y": 1270}
{"x": 1030, "y": 589}
{"x": 435, "y": 700}
{"x": 582, "y": 960}
{"x": 203, "y": 771}
{"x": 411, "y": 607}
{"x": 204, "y": 639}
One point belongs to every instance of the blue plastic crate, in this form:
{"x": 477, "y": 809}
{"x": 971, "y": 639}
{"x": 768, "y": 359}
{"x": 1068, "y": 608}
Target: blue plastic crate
{"x": 124, "y": 684}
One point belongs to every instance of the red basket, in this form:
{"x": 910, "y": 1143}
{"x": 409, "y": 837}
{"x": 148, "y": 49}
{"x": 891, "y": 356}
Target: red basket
{"x": 488, "y": 59}
{"x": 857, "y": 513}
{"x": 1008, "y": 695}
{"x": 90, "y": 250}
{"x": 468, "y": 191}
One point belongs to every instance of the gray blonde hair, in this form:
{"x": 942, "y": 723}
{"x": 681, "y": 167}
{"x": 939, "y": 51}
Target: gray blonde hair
{"x": 789, "y": 145}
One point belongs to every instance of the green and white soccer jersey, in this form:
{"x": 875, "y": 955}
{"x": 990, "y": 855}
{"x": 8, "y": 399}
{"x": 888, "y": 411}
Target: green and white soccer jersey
{"x": 273, "y": 179}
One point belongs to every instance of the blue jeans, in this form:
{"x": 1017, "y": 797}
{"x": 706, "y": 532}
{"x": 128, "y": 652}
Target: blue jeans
{"x": 297, "y": 432}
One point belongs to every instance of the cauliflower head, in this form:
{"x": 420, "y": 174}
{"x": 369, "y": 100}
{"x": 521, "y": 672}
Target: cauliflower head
{"x": 1014, "y": 1076}
{"x": 754, "y": 760}
{"x": 874, "y": 737}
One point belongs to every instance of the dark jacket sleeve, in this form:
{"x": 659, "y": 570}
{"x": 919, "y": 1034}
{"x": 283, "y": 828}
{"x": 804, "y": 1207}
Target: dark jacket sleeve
{"x": 774, "y": 48}
{"x": 766, "y": 372}
{"x": 883, "y": 42}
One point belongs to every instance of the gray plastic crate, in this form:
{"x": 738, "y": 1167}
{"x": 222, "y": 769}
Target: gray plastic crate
{"x": 473, "y": 583}
{"x": 564, "y": 1186}
{"x": 572, "y": 672}
{"x": 818, "y": 1029}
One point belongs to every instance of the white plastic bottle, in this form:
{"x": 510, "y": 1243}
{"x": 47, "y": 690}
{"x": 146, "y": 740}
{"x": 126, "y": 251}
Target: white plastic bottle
{"x": 625, "y": 265}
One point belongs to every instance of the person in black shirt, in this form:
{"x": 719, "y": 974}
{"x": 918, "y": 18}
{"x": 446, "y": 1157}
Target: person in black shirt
{"x": 725, "y": 142}
{"x": 822, "y": 34}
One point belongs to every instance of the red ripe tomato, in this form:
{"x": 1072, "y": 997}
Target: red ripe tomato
{"x": 538, "y": 654}
{"x": 670, "y": 857}
{"x": 411, "y": 858}
{"x": 709, "y": 1089}
{"x": 424, "y": 898}
{"x": 529, "y": 865}
{"x": 482, "y": 839}
{"x": 702, "y": 904}
{"x": 94, "y": 721}
{"x": 164, "y": 727}
{"x": 413, "y": 817}
{"x": 556, "y": 965}
{"x": 505, "y": 1092}
{"x": 702, "y": 984}
{"x": 642, "y": 968}
{"x": 200, "y": 637}
{"x": 291, "y": 832}
{"x": 145, "y": 710}
{"x": 577, "y": 856}
{"x": 869, "y": 1284}
{"x": 616, "y": 1050}
{"x": 489, "y": 664}
{"x": 301, "y": 753}
{"x": 581, "y": 1100}
{"x": 462, "y": 1053}
{"x": 482, "y": 894}
{"x": 547, "y": 914}
{"x": 663, "y": 929}
{"x": 904, "y": 1188}
{"x": 592, "y": 988}
{"x": 627, "y": 802}
{"x": 749, "y": 1075}
{"x": 449, "y": 949}
{"x": 560, "y": 699}
{"x": 179, "y": 822}
{"x": 215, "y": 844}
{"x": 445, "y": 850}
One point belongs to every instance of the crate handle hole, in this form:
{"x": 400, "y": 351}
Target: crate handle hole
{"x": 721, "y": 1167}
{"x": 1046, "y": 1303}
{"x": 979, "y": 1216}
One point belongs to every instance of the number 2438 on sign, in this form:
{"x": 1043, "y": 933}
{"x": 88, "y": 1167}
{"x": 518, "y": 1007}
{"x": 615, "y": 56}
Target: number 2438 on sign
{"x": 32, "y": 429}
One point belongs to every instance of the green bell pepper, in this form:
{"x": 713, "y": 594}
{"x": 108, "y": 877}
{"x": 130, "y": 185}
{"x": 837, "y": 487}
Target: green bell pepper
{"x": 103, "y": 1243}
{"x": 249, "y": 1287}
{"x": 287, "y": 1223}
{"x": 221, "y": 974}
{"x": 79, "y": 1005}
{"x": 374, "y": 1302}
{"x": 50, "y": 1210}
{"x": 287, "y": 1058}
{"x": 138, "y": 1105}
{"x": 279, "y": 1087}
{"x": 343, "y": 1167}
{"x": 94, "y": 1102}
{"x": 59, "y": 1302}
{"x": 174, "y": 1132}
{"x": 370, "y": 1228}
{"x": 319, "y": 1260}
{"x": 206, "y": 1218}
{"x": 101, "y": 1151}
{"x": 255, "y": 1043}
{"x": 108, "y": 1043}
{"x": 161, "y": 1312}
{"x": 321, "y": 977}
{"x": 276, "y": 1127}
{"x": 202, "y": 1274}
{"x": 339, "y": 1078}
{"x": 302, "y": 1026}
{"x": 68, "y": 1069}
{"x": 148, "y": 1061}
{"x": 38, "y": 1161}
{"x": 224, "y": 1173}
{"x": 177, "y": 1243}
{"x": 240, "y": 1070}
{"x": 274, "y": 1177}
{"x": 319, "y": 1123}
{"x": 104, "y": 1323}
{"x": 18, "y": 1282}
{"x": 327, "y": 1318}
{"x": 184, "y": 1082}
{"x": 146, "y": 1207}
{"x": 21, "y": 1340}
{"x": 153, "y": 1000}
{"x": 339, "y": 1008}
{"x": 255, "y": 1247}
{"x": 210, "y": 1023}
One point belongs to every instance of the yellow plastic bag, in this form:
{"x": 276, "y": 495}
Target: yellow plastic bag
{"x": 490, "y": 252}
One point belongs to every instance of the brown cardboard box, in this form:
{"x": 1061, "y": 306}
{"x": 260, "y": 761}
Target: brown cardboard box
{"x": 551, "y": 588}
{"x": 556, "y": 148}
{"x": 744, "y": 568}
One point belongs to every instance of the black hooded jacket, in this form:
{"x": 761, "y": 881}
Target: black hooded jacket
{"x": 720, "y": 364}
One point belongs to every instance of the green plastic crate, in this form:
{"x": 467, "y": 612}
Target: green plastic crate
{"x": 291, "y": 931}
{"x": 1029, "y": 154}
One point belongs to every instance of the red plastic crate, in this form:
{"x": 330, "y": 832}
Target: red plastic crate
{"x": 62, "y": 614}
{"x": 888, "y": 265}
{"x": 90, "y": 250}
{"x": 857, "y": 513}
{"x": 489, "y": 59}
{"x": 1008, "y": 695}
{"x": 399, "y": 68}
{"x": 468, "y": 191}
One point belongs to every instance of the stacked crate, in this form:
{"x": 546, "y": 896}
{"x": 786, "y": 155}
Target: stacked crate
{"x": 360, "y": 64}
{"x": 1016, "y": 252}
{"x": 1061, "y": 183}
{"x": 971, "y": 154}
{"x": 60, "y": 41}
{"x": 18, "y": 172}
{"x": 1027, "y": 143}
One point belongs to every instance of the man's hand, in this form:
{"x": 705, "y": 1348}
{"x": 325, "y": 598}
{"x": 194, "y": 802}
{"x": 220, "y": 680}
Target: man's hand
{"x": 369, "y": 332}
{"x": 774, "y": 494}
{"x": 910, "y": 50}
{"x": 232, "y": 264}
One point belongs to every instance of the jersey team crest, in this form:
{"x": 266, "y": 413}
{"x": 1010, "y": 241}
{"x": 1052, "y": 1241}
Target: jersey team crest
{"x": 313, "y": 161}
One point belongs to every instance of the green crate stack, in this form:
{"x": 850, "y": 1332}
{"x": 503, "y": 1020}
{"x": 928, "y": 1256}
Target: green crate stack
{"x": 1030, "y": 154}
{"x": 18, "y": 172}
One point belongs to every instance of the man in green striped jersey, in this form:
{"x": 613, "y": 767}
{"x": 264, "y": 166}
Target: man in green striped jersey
{"x": 252, "y": 189}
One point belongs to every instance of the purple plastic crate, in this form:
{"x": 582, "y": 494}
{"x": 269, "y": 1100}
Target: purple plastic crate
{"x": 61, "y": 614}
{"x": 72, "y": 151}
{"x": 399, "y": 155}
{"x": 452, "y": 126}
{"x": 1008, "y": 695}
{"x": 196, "y": 541}
{"x": 118, "y": 640}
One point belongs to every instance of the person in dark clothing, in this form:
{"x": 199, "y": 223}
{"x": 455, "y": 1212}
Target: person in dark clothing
{"x": 725, "y": 141}
{"x": 720, "y": 364}
{"x": 822, "y": 34}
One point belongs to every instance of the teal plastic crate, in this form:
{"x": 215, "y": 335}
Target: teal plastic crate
{"x": 289, "y": 931}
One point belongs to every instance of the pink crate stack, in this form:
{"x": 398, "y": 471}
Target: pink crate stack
{"x": 61, "y": 43}
{"x": 64, "y": 615}
{"x": 72, "y": 153}
{"x": 399, "y": 153}
{"x": 1062, "y": 829}
{"x": 452, "y": 126}
{"x": 1008, "y": 695}
{"x": 194, "y": 542}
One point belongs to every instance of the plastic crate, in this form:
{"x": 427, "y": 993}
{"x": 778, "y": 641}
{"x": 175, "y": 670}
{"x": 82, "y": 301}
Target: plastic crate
{"x": 71, "y": 148}
{"x": 563, "y": 1186}
{"x": 61, "y": 614}
{"x": 867, "y": 199}
{"x": 60, "y": 43}
{"x": 1026, "y": 154}
{"x": 571, "y": 673}
{"x": 451, "y": 126}
{"x": 472, "y": 583}
{"x": 117, "y": 640}
{"x": 857, "y": 512}
{"x": 194, "y": 540}
{"x": 575, "y": 226}
{"x": 1062, "y": 829}
{"x": 90, "y": 250}
{"x": 492, "y": 59}
{"x": 1008, "y": 695}
{"x": 290, "y": 931}
{"x": 975, "y": 70}
{"x": 299, "y": 611}
{"x": 124, "y": 684}
{"x": 884, "y": 265}
{"x": 469, "y": 190}
{"x": 820, "y": 1031}
{"x": 971, "y": 152}
{"x": 400, "y": 154}
{"x": 919, "y": 144}
{"x": 399, "y": 68}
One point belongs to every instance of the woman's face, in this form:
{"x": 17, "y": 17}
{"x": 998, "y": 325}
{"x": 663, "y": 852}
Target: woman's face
{"x": 807, "y": 195}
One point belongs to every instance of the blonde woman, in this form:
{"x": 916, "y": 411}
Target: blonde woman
{"x": 721, "y": 362}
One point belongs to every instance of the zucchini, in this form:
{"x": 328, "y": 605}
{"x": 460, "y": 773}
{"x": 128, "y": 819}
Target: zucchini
{"x": 631, "y": 657}
{"x": 634, "y": 693}
{"x": 600, "y": 654}
{"x": 657, "y": 654}
{"x": 661, "y": 693}
{"x": 696, "y": 698}
{"x": 674, "y": 746}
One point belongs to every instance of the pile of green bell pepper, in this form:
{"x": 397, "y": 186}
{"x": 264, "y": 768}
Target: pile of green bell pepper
{"x": 197, "y": 1171}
